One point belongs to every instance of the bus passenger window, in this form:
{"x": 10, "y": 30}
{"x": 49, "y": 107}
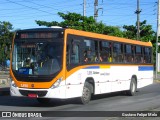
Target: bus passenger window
{"x": 147, "y": 55}
{"x": 89, "y": 53}
{"x": 128, "y": 58}
{"x": 85, "y": 56}
{"x": 75, "y": 54}
{"x": 117, "y": 52}
{"x": 105, "y": 51}
{"x": 138, "y": 54}
{"x": 68, "y": 55}
{"x": 89, "y": 56}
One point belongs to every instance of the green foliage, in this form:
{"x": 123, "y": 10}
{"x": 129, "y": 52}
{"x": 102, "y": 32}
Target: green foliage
{"x": 146, "y": 32}
{"x": 79, "y": 22}
{"x": 5, "y": 40}
{"x": 130, "y": 31}
{"x": 114, "y": 31}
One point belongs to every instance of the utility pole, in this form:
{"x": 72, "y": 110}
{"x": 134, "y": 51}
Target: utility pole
{"x": 84, "y": 7}
{"x": 138, "y": 11}
{"x": 96, "y": 9}
{"x": 158, "y": 33}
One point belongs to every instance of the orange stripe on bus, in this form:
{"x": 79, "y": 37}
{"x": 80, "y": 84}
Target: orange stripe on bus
{"x": 107, "y": 37}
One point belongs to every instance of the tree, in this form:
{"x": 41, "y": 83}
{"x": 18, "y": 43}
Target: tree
{"x": 5, "y": 40}
{"x": 114, "y": 31}
{"x": 146, "y": 32}
{"x": 79, "y": 22}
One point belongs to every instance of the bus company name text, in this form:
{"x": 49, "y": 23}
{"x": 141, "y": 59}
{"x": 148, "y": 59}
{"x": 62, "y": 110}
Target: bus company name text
{"x": 22, "y": 114}
{"x": 149, "y": 114}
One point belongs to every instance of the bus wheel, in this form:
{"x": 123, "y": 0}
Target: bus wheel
{"x": 43, "y": 100}
{"x": 86, "y": 94}
{"x": 133, "y": 87}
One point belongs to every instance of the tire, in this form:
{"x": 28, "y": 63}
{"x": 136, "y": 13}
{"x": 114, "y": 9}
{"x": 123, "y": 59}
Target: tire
{"x": 86, "y": 94}
{"x": 43, "y": 100}
{"x": 133, "y": 87}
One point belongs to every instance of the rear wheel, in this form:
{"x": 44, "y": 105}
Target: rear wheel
{"x": 43, "y": 100}
{"x": 133, "y": 87}
{"x": 86, "y": 94}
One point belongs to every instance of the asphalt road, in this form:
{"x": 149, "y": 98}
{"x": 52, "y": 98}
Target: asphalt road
{"x": 146, "y": 99}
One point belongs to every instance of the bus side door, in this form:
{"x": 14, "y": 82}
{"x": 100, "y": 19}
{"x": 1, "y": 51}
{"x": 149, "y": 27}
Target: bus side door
{"x": 74, "y": 72}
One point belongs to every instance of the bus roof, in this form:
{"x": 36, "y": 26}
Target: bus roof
{"x": 107, "y": 37}
{"x": 41, "y": 29}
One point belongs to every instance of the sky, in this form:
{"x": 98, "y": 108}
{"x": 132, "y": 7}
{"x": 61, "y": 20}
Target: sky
{"x": 23, "y": 13}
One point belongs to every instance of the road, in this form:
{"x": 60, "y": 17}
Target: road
{"x": 146, "y": 99}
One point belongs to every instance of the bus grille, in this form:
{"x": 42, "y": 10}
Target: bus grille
{"x": 39, "y": 93}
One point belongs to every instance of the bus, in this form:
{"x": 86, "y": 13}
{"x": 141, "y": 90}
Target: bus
{"x": 63, "y": 63}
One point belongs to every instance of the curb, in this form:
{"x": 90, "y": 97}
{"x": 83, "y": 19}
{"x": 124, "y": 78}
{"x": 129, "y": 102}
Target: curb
{"x": 156, "y": 81}
{"x": 4, "y": 82}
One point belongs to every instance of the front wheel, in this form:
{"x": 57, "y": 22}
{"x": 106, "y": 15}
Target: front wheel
{"x": 86, "y": 94}
{"x": 133, "y": 87}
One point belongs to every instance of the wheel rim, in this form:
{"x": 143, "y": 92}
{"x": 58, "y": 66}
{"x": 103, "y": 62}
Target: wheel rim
{"x": 86, "y": 94}
{"x": 133, "y": 87}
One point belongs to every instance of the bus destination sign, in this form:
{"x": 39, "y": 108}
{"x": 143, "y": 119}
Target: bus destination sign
{"x": 31, "y": 35}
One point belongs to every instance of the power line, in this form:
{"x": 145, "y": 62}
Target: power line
{"x": 18, "y": 1}
{"x": 114, "y": 9}
{"x": 44, "y": 6}
{"x": 29, "y": 7}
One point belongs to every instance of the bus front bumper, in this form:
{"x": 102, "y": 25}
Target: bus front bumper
{"x": 61, "y": 92}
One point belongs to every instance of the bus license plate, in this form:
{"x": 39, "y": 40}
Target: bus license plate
{"x": 32, "y": 95}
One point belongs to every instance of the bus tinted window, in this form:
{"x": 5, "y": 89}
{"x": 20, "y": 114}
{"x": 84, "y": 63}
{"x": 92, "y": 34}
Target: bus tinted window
{"x": 128, "y": 56}
{"x": 40, "y": 58}
{"x": 138, "y": 54}
{"x": 128, "y": 49}
{"x": 105, "y": 51}
{"x": 117, "y": 52}
{"x": 147, "y": 55}
{"x": 75, "y": 54}
{"x": 90, "y": 51}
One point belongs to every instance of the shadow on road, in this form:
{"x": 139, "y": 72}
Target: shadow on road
{"x": 7, "y": 100}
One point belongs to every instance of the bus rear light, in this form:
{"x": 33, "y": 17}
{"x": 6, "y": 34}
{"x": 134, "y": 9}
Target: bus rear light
{"x": 57, "y": 83}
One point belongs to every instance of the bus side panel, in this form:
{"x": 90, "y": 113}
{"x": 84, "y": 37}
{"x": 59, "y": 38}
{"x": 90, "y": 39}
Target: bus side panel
{"x": 121, "y": 77}
{"x": 74, "y": 84}
{"x": 107, "y": 78}
{"x": 145, "y": 76}
{"x": 100, "y": 75}
{"x": 102, "y": 78}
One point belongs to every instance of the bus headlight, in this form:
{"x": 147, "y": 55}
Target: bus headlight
{"x": 57, "y": 83}
{"x": 12, "y": 83}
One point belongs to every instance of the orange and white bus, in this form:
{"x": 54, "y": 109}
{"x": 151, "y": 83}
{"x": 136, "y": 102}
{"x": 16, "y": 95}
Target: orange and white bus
{"x": 65, "y": 63}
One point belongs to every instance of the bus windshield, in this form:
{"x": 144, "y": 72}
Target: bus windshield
{"x": 37, "y": 57}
